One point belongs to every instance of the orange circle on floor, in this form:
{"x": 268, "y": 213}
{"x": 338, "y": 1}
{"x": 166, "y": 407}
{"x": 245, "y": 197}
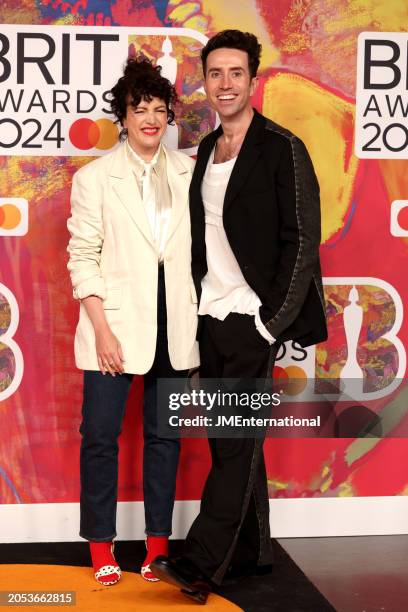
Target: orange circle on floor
{"x": 131, "y": 593}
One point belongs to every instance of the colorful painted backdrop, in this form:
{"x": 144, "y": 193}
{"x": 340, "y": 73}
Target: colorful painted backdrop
{"x": 307, "y": 83}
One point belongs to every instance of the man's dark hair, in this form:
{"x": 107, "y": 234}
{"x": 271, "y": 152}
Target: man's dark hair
{"x": 141, "y": 81}
{"x": 235, "y": 39}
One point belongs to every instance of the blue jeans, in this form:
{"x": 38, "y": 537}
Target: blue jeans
{"x": 102, "y": 415}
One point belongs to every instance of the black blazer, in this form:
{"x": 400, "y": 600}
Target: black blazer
{"x": 271, "y": 218}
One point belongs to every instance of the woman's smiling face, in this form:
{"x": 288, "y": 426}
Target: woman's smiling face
{"x": 146, "y": 123}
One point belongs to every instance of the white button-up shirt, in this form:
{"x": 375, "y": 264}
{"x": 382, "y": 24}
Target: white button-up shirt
{"x": 152, "y": 182}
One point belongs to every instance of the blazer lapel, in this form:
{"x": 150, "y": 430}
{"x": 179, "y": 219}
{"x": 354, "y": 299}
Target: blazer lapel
{"x": 201, "y": 164}
{"x": 125, "y": 187}
{"x": 247, "y": 158}
{"x": 178, "y": 176}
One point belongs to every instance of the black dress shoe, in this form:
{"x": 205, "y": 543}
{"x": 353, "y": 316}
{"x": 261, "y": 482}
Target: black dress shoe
{"x": 183, "y": 574}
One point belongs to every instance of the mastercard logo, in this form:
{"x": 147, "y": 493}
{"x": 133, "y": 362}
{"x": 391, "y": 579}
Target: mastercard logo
{"x": 13, "y": 216}
{"x": 399, "y": 218}
{"x": 291, "y": 380}
{"x": 403, "y": 218}
{"x": 86, "y": 134}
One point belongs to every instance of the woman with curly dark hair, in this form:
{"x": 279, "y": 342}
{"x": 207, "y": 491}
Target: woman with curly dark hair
{"x": 130, "y": 266}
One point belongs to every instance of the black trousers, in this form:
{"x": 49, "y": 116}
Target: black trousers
{"x": 232, "y": 527}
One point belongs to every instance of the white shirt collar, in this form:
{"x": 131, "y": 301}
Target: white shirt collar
{"x": 140, "y": 164}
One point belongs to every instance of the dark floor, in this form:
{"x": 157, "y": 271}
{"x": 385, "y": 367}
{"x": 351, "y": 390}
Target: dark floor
{"x": 356, "y": 574}
{"x": 344, "y": 574}
{"x": 285, "y": 589}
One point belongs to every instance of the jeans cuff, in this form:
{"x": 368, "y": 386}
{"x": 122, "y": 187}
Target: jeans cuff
{"x": 158, "y": 533}
{"x": 90, "y": 539}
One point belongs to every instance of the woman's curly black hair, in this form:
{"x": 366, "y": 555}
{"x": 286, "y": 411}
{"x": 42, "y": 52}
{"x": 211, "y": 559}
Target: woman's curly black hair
{"x": 141, "y": 81}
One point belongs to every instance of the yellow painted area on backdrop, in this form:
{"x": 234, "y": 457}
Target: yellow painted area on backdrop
{"x": 352, "y": 14}
{"x": 346, "y": 490}
{"x": 325, "y": 123}
{"x": 182, "y": 12}
{"x": 278, "y": 485}
{"x": 213, "y": 17}
{"x": 52, "y": 177}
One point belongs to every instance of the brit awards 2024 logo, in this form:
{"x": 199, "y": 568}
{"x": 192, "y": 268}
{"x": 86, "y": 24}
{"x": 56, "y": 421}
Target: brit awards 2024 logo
{"x": 363, "y": 358}
{"x": 381, "y": 99}
{"x": 55, "y": 82}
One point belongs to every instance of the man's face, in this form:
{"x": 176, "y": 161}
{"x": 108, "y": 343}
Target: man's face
{"x": 227, "y": 82}
{"x": 146, "y": 125}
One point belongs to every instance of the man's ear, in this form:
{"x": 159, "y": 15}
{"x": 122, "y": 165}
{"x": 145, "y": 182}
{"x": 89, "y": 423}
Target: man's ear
{"x": 254, "y": 85}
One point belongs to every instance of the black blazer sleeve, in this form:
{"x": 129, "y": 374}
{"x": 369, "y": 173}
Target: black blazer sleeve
{"x": 297, "y": 192}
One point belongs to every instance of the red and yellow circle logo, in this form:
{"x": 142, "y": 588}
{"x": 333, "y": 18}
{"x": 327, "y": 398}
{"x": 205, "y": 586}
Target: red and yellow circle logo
{"x": 292, "y": 379}
{"x": 403, "y": 218}
{"x": 10, "y": 216}
{"x": 86, "y": 134}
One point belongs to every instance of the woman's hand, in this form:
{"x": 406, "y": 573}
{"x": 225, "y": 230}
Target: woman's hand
{"x": 108, "y": 351}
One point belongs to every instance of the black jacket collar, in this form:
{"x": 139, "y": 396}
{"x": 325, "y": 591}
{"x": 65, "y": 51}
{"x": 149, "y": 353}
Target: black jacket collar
{"x": 247, "y": 157}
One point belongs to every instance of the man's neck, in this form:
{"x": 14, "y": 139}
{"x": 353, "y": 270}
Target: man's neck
{"x": 235, "y": 128}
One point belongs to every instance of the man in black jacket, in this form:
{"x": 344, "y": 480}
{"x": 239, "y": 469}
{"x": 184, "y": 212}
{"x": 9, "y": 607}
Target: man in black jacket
{"x": 255, "y": 220}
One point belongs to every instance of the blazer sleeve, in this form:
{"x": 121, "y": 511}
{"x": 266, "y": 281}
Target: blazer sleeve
{"x": 298, "y": 200}
{"x": 87, "y": 234}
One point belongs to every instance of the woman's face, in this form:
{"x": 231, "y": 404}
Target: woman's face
{"x": 146, "y": 125}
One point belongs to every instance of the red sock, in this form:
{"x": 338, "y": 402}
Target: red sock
{"x": 156, "y": 545}
{"x": 101, "y": 553}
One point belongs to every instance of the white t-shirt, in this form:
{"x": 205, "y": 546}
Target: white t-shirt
{"x": 224, "y": 288}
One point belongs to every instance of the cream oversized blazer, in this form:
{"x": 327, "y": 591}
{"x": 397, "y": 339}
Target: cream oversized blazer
{"x": 112, "y": 256}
